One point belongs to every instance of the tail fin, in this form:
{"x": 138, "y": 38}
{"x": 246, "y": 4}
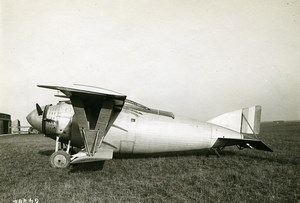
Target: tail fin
{"x": 246, "y": 120}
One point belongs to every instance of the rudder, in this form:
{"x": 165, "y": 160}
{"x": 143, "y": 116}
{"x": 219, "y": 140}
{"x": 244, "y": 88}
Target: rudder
{"x": 251, "y": 120}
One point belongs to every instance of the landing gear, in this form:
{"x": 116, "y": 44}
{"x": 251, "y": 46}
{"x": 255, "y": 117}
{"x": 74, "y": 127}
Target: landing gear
{"x": 60, "y": 159}
{"x": 216, "y": 151}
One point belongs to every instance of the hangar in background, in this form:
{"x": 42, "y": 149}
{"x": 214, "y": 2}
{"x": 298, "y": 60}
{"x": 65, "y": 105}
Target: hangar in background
{"x": 5, "y": 123}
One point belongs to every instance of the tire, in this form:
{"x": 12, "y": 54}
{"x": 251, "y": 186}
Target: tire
{"x": 60, "y": 159}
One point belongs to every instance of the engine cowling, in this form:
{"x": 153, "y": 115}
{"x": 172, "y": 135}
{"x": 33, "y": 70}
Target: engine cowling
{"x": 57, "y": 120}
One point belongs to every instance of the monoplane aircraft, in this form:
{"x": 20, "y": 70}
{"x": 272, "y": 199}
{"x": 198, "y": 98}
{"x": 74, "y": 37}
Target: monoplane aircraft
{"x": 101, "y": 122}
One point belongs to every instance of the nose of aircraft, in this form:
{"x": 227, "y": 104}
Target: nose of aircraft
{"x": 35, "y": 120}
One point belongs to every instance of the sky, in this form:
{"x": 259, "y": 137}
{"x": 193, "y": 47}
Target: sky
{"x": 196, "y": 58}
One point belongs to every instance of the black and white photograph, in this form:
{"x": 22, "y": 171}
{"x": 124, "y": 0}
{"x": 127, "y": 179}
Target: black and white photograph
{"x": 149, "y": 101}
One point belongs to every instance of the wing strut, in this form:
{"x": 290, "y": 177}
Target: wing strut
{"x": 92, "y": 137}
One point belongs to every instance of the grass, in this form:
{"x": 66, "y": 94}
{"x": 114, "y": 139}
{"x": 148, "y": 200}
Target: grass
{"x": 238, "y": 176}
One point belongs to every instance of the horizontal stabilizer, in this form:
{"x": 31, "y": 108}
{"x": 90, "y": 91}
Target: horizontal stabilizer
{"x": 244, "y": 143}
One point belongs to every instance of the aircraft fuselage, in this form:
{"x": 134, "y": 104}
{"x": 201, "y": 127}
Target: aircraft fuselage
{"x": 133, "y": 131}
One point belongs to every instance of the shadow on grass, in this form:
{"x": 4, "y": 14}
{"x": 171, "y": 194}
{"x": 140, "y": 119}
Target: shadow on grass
{"x": 46, "y": 152}
{"x": 264, "y": 156}
{"x": 204, "y": 152}
{"x": 89, "y": 166}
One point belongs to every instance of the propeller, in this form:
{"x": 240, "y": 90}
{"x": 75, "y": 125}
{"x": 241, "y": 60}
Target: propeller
{"x": 39, "y": 109}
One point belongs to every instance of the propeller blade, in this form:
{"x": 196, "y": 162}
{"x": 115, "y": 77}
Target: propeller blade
{"x": 39, "y": 109}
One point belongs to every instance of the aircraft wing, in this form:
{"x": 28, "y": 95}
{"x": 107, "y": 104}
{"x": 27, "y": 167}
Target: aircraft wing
{"x": 242, "y": 143}
{"x": 95, "y": 109}
{"x": 85, "y": 90}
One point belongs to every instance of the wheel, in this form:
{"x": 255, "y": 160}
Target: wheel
{"x": 60, "y": 159}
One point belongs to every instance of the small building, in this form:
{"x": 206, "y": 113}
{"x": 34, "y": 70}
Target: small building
{"x": 5, "y": 123}
{"x": 15, "y": 127}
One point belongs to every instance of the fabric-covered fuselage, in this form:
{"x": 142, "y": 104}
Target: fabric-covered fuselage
{"x": 137, "y": 129}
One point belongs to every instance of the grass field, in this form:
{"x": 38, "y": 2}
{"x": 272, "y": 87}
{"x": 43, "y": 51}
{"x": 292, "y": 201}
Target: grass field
{"x": 238, "y": 176}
